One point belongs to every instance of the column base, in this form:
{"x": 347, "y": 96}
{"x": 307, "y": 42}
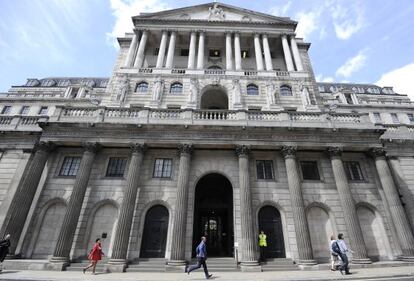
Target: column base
{"x": 58, "y": 263}
{"x": 117, "y": 265}
{"x": 250, "y": 266}
{"x": 307, "y": 262}
{"x": 176, "y": 266}
{"x": 407, "y": 258}
{"x": 361, "y": 261}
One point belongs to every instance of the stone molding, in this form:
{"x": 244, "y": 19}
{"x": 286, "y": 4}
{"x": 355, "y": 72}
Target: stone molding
{"x": 242, "y": 150}
{"x": 377, "y": 152}
{"x": 45, "y": 146}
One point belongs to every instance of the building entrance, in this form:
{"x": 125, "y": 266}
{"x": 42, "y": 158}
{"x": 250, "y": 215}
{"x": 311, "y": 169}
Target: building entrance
{"x": 271, "y": 223}
{"x": 213, "y": 215}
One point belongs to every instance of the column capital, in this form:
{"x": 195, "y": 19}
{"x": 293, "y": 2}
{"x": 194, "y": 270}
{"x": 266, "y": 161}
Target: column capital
{"x": 142, "y": 29}
{"x": 92, "y": 147}
{"x": 185, "y": 148}
{"x": 201, "y": 31}
{"x": 242, "y": 150}
{"x": 256, "y": 34}
{"x": 289, "y": 151}
{"x": 334, "y": 151}
{"x": 138, "y": 147}
{"x": 230, "y": 32}
{"x": 45, "y": 146}
{"x": 377, "y": 152}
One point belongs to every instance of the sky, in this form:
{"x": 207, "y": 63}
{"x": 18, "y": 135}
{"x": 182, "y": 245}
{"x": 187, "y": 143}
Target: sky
{"x": 359, "y": 41}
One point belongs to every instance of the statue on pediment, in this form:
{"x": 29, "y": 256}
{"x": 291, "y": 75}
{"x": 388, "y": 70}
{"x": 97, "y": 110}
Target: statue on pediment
{"x": 158, "y": 88}
{"x": 305, "y": 96}
{"x": 194, "y": 88}
{"x": 236, "y": 92}
{"x": 270, "y": 93}
{"x": 216, "y": 12}
{"x": 123, "y": 90}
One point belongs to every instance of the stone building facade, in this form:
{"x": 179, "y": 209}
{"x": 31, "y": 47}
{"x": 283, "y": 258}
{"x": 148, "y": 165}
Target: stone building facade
{"x": 211, "y": 124}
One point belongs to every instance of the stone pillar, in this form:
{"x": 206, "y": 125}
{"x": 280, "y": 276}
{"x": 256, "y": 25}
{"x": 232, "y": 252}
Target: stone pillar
{"x": 303, "y": 240}
{"x": 399, "y": 218}
{"x": 20, "y": 204}
{"x": 268, "y": 57}
{"x": 229, "y": 52}
{"x": 248, "y": 239}
{"x": 161, "y": 51}
{"x": 139, "y": 59}
{"x": 258, "y": 52}
{"x": 131, "y": 52}
{"x": 296, "y": 54}
{"x": 171, "y": 50}
{"x": 61, "y": 253}
{"x": 353, "y": 227}
{"x": 118, "y": 261}
{"x": 237, "y": 51}
{"x": 177, "y": 258}
{"x": 200, "y": 57}
{"x": 191, "y": 53}
{"x": 286, "y": 52}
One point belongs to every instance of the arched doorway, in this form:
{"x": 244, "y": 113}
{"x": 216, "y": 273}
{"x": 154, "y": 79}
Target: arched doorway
{"x": 154, "y": 238}
{"x": 320, "y": 229}
{"x": 213, "y": 215}
{"x": 271, "y": 223}
{"x": 214, "y": 97}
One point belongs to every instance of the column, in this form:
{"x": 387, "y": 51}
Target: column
{"x": 229, "y": 52}
{"x": 161, "y": 51}
{"x": 399, "y": 218}
{"x": 26, "y": 190}
{"x": 296, "y": 54}
{"x": 126, "y": 212}
{"x": 70, "y": 220}
{"x": 353, "y": 227}
{"x": 237, "y": 51}
{"x": 180, "y": 214}
{"x": 200, "y": 57}
{"x": 268, "y": 57}
{"x": 171, "y": 50}
{"x": 303, "y": 240}
{"x": 141, "y": 49}
{"x": 131, "y": 52}
{"x": 248, "y": 240}
{"x": 191, "y": 53}
{"x": 286, "y": 52}
{"x": 258, "y": 52}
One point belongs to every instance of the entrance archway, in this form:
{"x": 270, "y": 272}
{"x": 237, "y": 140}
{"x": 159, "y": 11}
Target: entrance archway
{"x": 154, "y": 238}
{"x": 213, "y": 215}
{"x": 214, "y": 97}
{"x": 271, "y": 223}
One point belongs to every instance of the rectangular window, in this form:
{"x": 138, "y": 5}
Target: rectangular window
{"x": 70, "y": 166}
{"x": 43, "y": 110}
{"x": 73, "y": 92}
{"x": 394, "y": 118}
{"x": 25, "y": 110}
{"x": 156, "y": 51}
{"x": 377, "y": 117}
{"x": 348, "y": 99}
{"x": 244, "y": 54}
{"x": 410, "y": 118}
{"x": 162, "y": 168}
{"x": 184, "y": 52}
{"x": 310, "y": 170}
{"x": 214, "y": 53}
{"x": 353, "y": 171}
{"x": 116, "y": 167}
{"x": 6, "y": 109}
{"x": 264, "y": 169}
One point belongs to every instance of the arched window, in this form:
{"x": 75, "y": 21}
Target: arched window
{"x": 252, "y": 90}
{"x": 176, "y": 88}
{"x": 285, "y": 90}
{"x": 142, "y": 87}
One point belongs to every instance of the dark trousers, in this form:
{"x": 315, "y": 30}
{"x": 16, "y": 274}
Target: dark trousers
{"x": 345, "y": 262}
{"x": 200, "y": 262}
{"x": 262, "y": 253}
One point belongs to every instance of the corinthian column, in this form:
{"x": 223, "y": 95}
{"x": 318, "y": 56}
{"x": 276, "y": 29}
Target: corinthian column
{"x": 402, "y": 226}
{"x": 258, "y": 52}
{"x": 229, "y": 53}
{"x": 237, "y": 51}
{"x": 268, "y": 57}
{"x": 171, "y": 50}
{"x": 286, "y": 51}
{"x": 248, "y": 239}
{"x": 296, "y": 54}
{"x": 161, "y": 50}
{"x": 348, "y": 206}
{"x": 20, "y": 205}
{"x": 200, "y": 57}
{"x": 70, "y": 220}
{"x": 180, "y": 215}
{"x": 118, "y": 259}
{"x": 298, "y": 209}
{"x": 131, "y": 52}
{"x": 191, "y": 53}
{"x": 139, "y": 59}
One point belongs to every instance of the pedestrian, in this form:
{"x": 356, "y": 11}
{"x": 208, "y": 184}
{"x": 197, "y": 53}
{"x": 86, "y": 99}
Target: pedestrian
{"x": 201, "y": 253}
{"x": 334, "y": 255}
{"x": 343, "y": 254}
{"x": 4, "y": 249}
{"x": 262, "y": 246}
{"x": 94, "y": 256}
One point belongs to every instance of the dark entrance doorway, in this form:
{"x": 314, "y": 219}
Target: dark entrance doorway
{"x": 213, "y": 215}
{"x": 155, "y": 233}
{"x": 271, "y": 223}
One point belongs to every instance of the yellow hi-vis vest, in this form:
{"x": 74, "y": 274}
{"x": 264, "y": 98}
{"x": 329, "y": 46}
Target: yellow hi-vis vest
{"x": 262, "y": 240}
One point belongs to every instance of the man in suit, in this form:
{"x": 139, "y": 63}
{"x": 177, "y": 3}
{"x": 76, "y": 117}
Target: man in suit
{"x": 201, "y": 252}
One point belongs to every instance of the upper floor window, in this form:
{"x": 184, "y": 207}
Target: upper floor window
{"x": 176, "y": 88}
{"x": 116, "y": 167}
{"x": 321, "y": 89}
{"x": 410, "y": 118}
{"x": 264, "y": 169}
{"x": 309, "y": 170}
{"x": 162, "y": 168}
{"x": 48, "y": 83}
{"x": 24, "y": 110}
{"x": 156, "y": 51}
{"x": 70, "y": 166}
{"x": 348, "y": 98}
{"x": 377, "y": 117}
{"x": 394, "y": 118}
{"x": 184, "y": 52}
{"x": 245, "y": 54}
{"x": 141, "y": 87}
{"x": 63, "y": 83}
{"x": 285, "y": 90}
{"x": 32, "y": 82}
{"x": 73, "y": 92}
{"x": 353, "y": 171}
{"x": 252, "y": 90}
{"x": 43, "y": 110}
{"x": 6, "y": 109}
{"x": 214, "y": 53}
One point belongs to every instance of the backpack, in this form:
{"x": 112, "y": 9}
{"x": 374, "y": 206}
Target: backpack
{"x": 335, "y": 248}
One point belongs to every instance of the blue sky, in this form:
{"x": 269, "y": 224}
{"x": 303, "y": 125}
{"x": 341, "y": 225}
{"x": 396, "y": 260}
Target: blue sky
{"x": 362, "y": 41}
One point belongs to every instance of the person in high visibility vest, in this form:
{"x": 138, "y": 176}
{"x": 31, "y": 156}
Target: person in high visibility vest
{"x": 262, "y": 245}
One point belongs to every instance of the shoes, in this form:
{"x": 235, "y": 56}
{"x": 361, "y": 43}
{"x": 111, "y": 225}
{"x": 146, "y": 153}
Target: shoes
{"x": 341, "y": 271}
{"x": 83, "y": 271}
{"x": 333, "y": 269}
{"x": 186, "y": 270}
{"x": 348, "y": 273}
{"x": 209, "y": 276}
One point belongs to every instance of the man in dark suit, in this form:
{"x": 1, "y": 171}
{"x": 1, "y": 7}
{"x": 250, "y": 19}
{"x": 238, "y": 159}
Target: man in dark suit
{"x": 201, "y": 252}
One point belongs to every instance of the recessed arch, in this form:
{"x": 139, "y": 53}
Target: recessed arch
{"x": 214, "y": 97}
{"x": 270, "y": 222}
{"x": 154, "y": 238}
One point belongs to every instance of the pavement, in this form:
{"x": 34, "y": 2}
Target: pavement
{"x": 383, "y": 274}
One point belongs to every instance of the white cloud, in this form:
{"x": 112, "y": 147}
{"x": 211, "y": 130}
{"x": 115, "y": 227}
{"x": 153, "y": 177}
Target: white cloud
{"x": 352, "y": 65}
{"x": 308, "y": 23}
{"x": 347, "y": 19}
{"x": 400, "y": 79}
{"x": 327, "y": 79}
{"x": 279, "y": 11}
{"x": 123, "y": 10}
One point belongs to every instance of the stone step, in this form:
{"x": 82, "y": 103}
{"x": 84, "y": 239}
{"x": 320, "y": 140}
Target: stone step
{"x": 282, "y": 264}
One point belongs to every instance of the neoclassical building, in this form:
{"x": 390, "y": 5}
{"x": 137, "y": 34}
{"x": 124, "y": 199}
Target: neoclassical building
{"x": 211, "y": 124}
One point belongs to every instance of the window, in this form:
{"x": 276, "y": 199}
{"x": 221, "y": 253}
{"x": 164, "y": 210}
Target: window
{"x": 70, "y": 166}
{"x": 156, "y": 51}
{"x": 252, "y": 90}
{"x": 394, "y": 118}
{"x": 321, "y": 89}
{"x": 184, "y": 52}
{"x": 25, "y": 110}
{"x": 244, "y": 54}
{"x": 176, "y": 88}
{"x": 377, "y": 117}
{"x": 214, "y": 53}
{"x": 410, "y": 118}
{"x": 32, "y": 82}
{"x": 353, "y": 171}
{"x": 348, "y": 98}
{"x": 6, "y": 109}
{"x": 309, "y": 170}
{"x": 264, "y": 169}
{"x": 43, "y": 110}
{"x": 285, "y": 90}
{"x": 73, "y": 92}
{"x": 141, "y": 87}
{"x": 48, "y": 83}
{"x": 63, "y": 83}
{"x": 162, "y": 168}
{"x": 116, "y": 167}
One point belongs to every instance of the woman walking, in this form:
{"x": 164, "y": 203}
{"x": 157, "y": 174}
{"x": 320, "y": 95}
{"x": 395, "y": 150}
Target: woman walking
{"x": 94, "y": 256}
{"x": 334, "y": 256}
{"x": 4, "y": 249}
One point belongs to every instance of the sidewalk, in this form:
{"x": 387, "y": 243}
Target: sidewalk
{"x": 389, "y": 273}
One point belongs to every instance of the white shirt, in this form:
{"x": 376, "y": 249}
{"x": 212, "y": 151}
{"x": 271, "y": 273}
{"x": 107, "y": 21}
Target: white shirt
{"x": 342, "y": 246}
